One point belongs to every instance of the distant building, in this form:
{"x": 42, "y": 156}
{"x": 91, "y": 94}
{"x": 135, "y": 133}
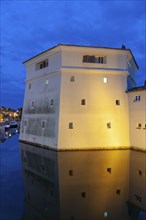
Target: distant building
{"x": 85, "y": 98}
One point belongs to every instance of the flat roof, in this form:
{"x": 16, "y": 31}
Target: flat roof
{"x": 72, "y": 45}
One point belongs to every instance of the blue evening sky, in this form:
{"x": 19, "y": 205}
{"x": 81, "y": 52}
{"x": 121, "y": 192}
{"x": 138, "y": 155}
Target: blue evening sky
{"x": 30, "y": 27}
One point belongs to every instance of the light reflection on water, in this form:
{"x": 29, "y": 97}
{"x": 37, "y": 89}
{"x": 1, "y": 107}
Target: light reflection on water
{"x": 76, "y": 185}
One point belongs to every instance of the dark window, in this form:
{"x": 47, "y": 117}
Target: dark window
{"x": 93, "y": 59}
{"x": 72, "y": 78}
{"x": 109, "y": 170}
{"x": 138, "y": 198}
{"x": 30, "y": 86}
{"x": 70, "y": 172}
{"x": 117, "y": 102}
{"x": 138, "y": 126}
{"x": 118, "y": 191}
{"x": 70, "y": 125}
{"x": 52, "y": 102}
{"x": 83, "y": 194}
{"x": 83, "y": 102}
{"x": 109, "y": 125}
{"x": 144, "y": 126}
{"x": 43, "y": 124}
{"x": 140, "y": 172}
{"x": 42, "y": 64}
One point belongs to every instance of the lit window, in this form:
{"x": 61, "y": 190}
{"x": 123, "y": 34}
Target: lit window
{"x": 70, "y": 172}
{"x": 29, "y": 86}
{"x": 117, "y": 102}
{"x": 109, "y": 125}
{"x": 109, "y": 170}
{"x": 105, "y": 214}
{"x": 70, "y": 125}
{"x": 46, "y": 82}
{"x": 105, "y": 79}
{"x": 72, "y": 78}
{"x": 138, "y": 126}
{"x": 83, "y": 102}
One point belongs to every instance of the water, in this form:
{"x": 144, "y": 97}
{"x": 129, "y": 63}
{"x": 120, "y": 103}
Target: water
{"x": 11, "y": 180}
{"x": 75, "y": 185}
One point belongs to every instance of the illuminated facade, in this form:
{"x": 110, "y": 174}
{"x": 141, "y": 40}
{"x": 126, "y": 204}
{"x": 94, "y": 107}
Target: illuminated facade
{"x": 85, "y": 98}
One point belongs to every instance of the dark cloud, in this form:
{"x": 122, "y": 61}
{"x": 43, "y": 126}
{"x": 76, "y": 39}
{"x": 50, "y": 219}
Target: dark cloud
{"x": 29, "y": 27}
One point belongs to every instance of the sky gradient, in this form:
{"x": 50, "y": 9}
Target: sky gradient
{"x": 30, "y": 27}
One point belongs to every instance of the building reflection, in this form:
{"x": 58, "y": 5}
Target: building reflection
{"x": 78, "y": 185}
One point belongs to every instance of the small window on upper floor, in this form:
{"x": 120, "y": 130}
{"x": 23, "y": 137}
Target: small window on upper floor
{"x": 72, "y": 79}
{"x": 138, "y": 126}
{"x": 29, "y": 86}
{"x": 70, "y": 172}
{"x": 46, "y": 82}
{"x": 137, "y": 98}
{"x": 83, "y": 194}
{"x": 43, "y": 124}
{"x": 42, "y": 64}
{"x": 140, "y": 172}
{"x": 105, "y": 79}
{"x": 117, "y": 102}
{"x": 32, "y": 104}
{"x": 138, "y": 198}
{"x": 118, "y": 191}
{"x": 83, "y": 102}
{"x": 94, "y": 59}
{"x": 144, "y": 126}
{"x": 25, "y": 123}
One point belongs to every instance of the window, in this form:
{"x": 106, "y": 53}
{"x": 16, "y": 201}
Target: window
{"x": 70, "y": 125}
{"x": 72, "y": 78}
{"x": 137, "y": 98}
{"x": 105, "y": 214}
{"x": 118, "y": 191}
{"x": 32, "y": 104}
{"x": 138, "y": 198}
{"x": 109, "y": 125}
{"x": 117, "y": 102}
{"x": 138, "y": 126}
{"x": 144, "y": 126}
{"x": 46, "y": 82}
{"x": 43, "y": 124}
{"x": 83, "y": 102}
{"x": 105, "y": 79}
{"x": 52, "y": 102}
{"x": 42, "y": 64}
{"x": 25, "y": 123}
{"x": 109, "y": 170}
{"x": 29, "y": 86}
{"x": 70, "y": 172}
{"x": 83, "y": 194}
{"x": 93, "y": 59}
{"x": 140, "y": 172}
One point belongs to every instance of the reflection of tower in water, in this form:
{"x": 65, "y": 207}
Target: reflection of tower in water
{"x": 75, "y": 185}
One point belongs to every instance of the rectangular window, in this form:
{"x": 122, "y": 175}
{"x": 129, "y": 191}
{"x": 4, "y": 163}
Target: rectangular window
{"x": 138, "y": 126}
{"x": 83, "y": 194}
{"x": 29, "y": 86}
{"x": 72, "y": 79}
{"x": 118, "y": 191}
{"x": 144, "y": 126}
{"x": 70, "y": 172}
{"x": 32, "y": 104}
{"x": 43, "y": 124}
{"x": 140, "y": 172}
{"x": 70, "y": 125}
{"x": 105, "y": 214}
{"x": 46, "y": 82}
{"x": 109, "y": 125}
{"x": 109, "y": 170}
{"x": 52, "y": 102}
{"x": 25, "y": 123}
{"x": 83, "y": 102}
{"x": 42, "y": 64}
{"x": 138, "y": 198}
{"x": 105, "y": 79}
{"x": 137, "y": 98}
{"x": 93, "y": 59}
{"x": 117, "y": 102}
